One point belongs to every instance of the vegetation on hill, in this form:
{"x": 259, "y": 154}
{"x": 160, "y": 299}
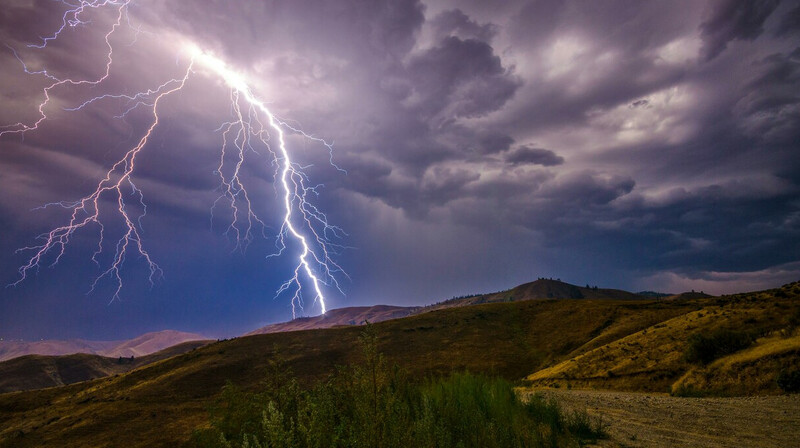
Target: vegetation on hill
{"x": 370, "y": 404}
{"x": 653, "y": 294}
{"x": 705, "y": 347}
{"x": 636, "y": 345}
{"x": 508, "y": 340}
{"x": 729, "y": 345}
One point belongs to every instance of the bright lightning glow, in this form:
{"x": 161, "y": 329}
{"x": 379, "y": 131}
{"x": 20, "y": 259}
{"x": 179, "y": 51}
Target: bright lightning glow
{"x": 252, "y": 127}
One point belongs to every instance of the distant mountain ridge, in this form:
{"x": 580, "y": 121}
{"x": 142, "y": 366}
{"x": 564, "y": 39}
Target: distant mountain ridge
{"x": 354, "y": 315}
{"x": 541, "y": 289}
{"x": 142, "y": 345}
{"x": 39, "y": 371}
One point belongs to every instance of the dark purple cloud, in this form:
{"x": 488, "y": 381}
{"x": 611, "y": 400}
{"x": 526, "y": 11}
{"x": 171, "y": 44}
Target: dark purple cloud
{"x": 455, "y": 23}
{"x": 731, "y": 20}
{"x": 536, "y": 156}
{"x": 790, "y": 22}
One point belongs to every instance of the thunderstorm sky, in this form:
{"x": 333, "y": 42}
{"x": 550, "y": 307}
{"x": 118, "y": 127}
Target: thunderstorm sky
{"x": 627, "y": 144}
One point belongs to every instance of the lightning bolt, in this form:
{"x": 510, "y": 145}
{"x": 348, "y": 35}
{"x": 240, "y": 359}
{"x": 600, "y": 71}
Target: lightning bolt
{"x": 253, "y": 127}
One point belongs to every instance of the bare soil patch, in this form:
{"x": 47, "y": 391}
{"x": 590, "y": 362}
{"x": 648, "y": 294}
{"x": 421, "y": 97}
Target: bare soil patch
{"x": 652, "y": 420}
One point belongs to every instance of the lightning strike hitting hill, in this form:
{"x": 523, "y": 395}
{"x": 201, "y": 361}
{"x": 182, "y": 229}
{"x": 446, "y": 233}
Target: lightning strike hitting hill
{"x": 253, "y": 126}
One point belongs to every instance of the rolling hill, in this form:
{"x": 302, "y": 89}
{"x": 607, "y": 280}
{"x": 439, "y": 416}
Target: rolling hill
{"x": 139, "y": 346}
{"x": 507, "y": 339}
{"x": 356, "y": 315}
{"x": 548, "y": 342}
{"x": 541, "y": 289}
{"x": 654, "y": 358}
{"x": 14, "y": 349}
{"x": 150, "y": 343}
{"x": 37, "y": 371}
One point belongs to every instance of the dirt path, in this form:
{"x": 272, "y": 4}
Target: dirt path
{"x": 643, "y": 420}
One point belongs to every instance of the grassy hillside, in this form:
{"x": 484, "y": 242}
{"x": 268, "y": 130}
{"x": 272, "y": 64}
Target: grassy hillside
{"x": 164, "y": 401}
{"x": 622, "y": 344}
{"x": 37, "y": 371}
{"x": 750, "y": 371}
{"x": 655, "y": 358}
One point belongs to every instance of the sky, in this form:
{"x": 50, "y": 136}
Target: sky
{"x": 481, "y": 145}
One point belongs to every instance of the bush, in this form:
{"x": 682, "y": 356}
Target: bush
{"x": 789, "y": 381}
{"x": 704, "y": 348}
{"x": 373, "y": 405}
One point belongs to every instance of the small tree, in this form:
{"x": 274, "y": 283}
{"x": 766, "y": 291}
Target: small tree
{"x": 789, "y": 380}
{"x": 706, "y": 347}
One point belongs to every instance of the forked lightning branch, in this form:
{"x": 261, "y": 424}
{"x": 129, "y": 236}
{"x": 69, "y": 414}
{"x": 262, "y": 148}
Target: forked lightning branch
{"x": 305, "y": 232}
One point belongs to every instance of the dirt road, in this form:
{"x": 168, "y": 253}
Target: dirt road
{"x": 644, "y": 420}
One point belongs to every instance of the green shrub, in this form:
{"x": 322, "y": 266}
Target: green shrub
{"x": 706, "y": 347}
{"x": 374, "y": 405}
{"x": 789, "y": 380}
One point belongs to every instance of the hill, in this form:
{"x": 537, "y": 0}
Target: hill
{"x": 657, "y": 358}
{"x": 541, "y": 289}
{"x": 43, "y": 372}
{"x": 356, "y": 315}
{"x": 622, "y": 344}
{"x": 150, "y": 343}
{"x": 139, "y": 346}
{"x": 37, "y": 371}
{"x": 13, "y": 349}
{"x": 507, "y": 339}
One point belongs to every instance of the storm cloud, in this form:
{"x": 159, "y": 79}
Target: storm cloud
{"x": 644, "y": 145}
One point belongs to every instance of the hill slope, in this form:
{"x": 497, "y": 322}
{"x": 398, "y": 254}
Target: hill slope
{"x": 161, "y": 403}
{"x": 14, "y": 349}
{"x": 355, "y": 315}
{"x": 36, "y": 371}
{"x": 541, "y": 289}
{"x": 139, "y": 346}
{"x": 150, "y": 343}
{"x": 575, "y": 342}
{"x": 654, "y": 359}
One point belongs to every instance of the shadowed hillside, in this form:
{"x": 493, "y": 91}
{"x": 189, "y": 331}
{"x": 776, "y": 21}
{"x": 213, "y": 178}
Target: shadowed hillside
{"x": 37, "y": 371}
